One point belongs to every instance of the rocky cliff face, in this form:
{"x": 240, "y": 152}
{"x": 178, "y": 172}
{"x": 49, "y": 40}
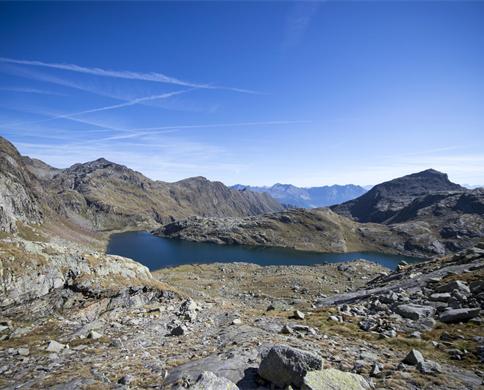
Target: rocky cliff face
{"x": 19, "y": 191}
{"x": 385, "y": 200}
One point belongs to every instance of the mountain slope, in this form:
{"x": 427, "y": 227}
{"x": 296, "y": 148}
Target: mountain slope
{"x": 308, "y": 197}
{"x": 102, "y": 195}
{"x": 384, "y": 200}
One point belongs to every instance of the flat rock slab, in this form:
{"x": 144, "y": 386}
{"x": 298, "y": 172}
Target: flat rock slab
{"x": 239, "y": 367}
{"x": 459, "y": 315}
{"x": 415, "y": 312}
{"x": 332, "y": 379}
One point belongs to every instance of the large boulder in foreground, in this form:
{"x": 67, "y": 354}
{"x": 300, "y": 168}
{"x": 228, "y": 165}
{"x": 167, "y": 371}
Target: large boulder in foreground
{"x": 286, "y": 366}
{"x": 332, "y": 379}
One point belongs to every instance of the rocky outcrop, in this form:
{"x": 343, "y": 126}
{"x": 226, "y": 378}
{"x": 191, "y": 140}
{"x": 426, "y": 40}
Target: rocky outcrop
{"x": 19, "y": 192}
{"x": 322, "y": 230}
{"x": 31, "y": 270}
{"x": 318, "y": 230}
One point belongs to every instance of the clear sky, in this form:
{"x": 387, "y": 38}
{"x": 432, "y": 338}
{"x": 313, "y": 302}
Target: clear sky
{"x": 305, "y": 93}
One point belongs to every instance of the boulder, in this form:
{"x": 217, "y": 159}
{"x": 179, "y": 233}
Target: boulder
{"x": 299, "y": 315}
{"x": 55, "y": 347}
{"x": 454, "y": 285}
{"x": 94, "y": 335}
{"x": 208, "y": 380}
{"x": 413, "y": 358}
{"x": 414, "y": 312}
{"x": 284, "y": 366}
{"x": 459, "y": 315}
{"x": 180, "y": 330}
{"x": 429, "y": 367}
{"x": 440, "y": 297}
{"x": 332, "y": 379}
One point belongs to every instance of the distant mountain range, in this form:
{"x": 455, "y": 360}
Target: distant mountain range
{"x": 311, "y": 197}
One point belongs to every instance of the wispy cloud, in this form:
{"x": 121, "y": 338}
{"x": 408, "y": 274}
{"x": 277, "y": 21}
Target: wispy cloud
{"x": 30, "y": 90}
{"x": 104, "y": 108}
{"x": 298, "y": 20}
{"x": 122, "y": 74}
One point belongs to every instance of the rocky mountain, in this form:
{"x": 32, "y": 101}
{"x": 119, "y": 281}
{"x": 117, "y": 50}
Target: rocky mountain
{"x": 103, "y": 195}
{"x": 310, "y": 197}
{"x": 385, "y": 200}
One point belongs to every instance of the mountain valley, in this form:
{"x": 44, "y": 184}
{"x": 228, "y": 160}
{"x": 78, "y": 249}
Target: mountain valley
{"x": 74, "y": 317}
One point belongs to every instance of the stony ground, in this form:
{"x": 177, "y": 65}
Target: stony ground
{"x": 83, "y": 332}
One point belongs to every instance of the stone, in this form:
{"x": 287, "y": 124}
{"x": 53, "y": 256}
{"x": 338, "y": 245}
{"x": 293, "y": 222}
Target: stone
{"x": 415, "y": 335}
{"x": 286, "y": 330}
{"x": 285, "y": 366}
{"x": 208, "y": 380}
{"x": 23, "y": 351}
{"x": 304, "y": 329}
{"x": 375, "y": 370}
{"x": 237, "y": 321}
{"x": 413, "y": 358}
{"x": 441, "y": 297}
{"x": 55, "y": 347}
{"x": 126, "y": 379}
{"x": 454, "y": 285}
{"x": 180, "y": 330}
{"x": 414, "y": 312}
{"x": 429, "y": 367}
{"x": 116, "y": 343}
{"x": 299, "y": 315}
{"x": 459, "y": 315}
{"x": 332, "y": 379}
{"x": 94, "y": 335}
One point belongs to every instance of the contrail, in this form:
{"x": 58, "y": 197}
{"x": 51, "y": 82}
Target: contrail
{"x": 123, "y": 74}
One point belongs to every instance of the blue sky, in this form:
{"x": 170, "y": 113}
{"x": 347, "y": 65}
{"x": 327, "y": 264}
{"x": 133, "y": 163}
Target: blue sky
{"x": 305, "y": 93}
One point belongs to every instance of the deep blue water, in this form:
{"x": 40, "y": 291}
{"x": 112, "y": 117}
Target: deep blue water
{"x": 156, "y": 252}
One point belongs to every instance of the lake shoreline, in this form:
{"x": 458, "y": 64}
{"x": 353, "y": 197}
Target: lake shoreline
{"x": 158, "y": 253}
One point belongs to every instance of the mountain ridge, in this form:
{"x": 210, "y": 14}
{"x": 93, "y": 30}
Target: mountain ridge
{"x": 103, "y": 195}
